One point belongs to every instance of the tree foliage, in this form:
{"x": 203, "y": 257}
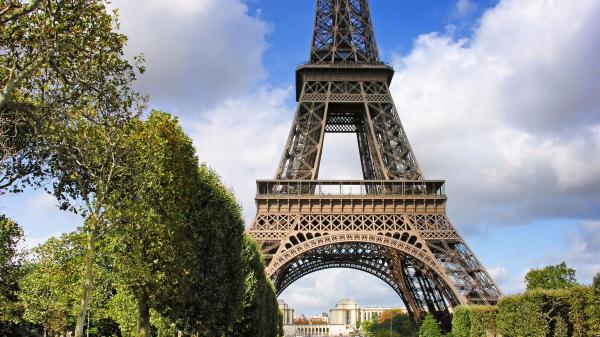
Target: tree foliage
{"x": 400, "y": 323}
{"x": 65, "y": 100}
{"x": 386, "y": 333}
{"x": 429, "y": 327}
{"x": 57, "y": 58}
{"x": 178, "y": 231}
{"x": 260, "y": 314}
{"x": 52, "y": 286}
{"x": 560, "y": 328}
{"x": 551, "y": 277}
{"x": 10, "y": 269}
{"x": 208, "y": 299}
{"x": 534, "y": 313}
{"x": 51, "y": 290}
{"x": 70, "y": 122}
{"x": 461, "y": 322}
{"x": 593, "y": 309}
{"x": 149, "y": 208}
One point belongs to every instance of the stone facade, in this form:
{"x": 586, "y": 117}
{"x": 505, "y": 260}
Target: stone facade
{"x": 342, "y": 320}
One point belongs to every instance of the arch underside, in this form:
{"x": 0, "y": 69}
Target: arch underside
{"x": 418, "y": 286}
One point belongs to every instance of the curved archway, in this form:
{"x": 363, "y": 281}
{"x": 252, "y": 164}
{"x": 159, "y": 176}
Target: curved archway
{"x": 399, "y": 264}
{"x": 296, "y": 247}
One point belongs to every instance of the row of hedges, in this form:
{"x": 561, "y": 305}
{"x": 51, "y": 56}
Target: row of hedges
{"x": 537, "y": 313}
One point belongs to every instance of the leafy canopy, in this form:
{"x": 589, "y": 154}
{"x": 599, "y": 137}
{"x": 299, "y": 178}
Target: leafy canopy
{"x": 58, "y": 59}
{"x": 551, "y": 277}
{"x": 10, "y": 267}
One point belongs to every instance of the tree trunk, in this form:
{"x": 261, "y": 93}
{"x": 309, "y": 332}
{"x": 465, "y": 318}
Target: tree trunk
{"x": 89, "y": 278}
{"x": 143, "y": 316}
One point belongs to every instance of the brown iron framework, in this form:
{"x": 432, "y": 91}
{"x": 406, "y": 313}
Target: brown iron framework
{"x": 392, "y": 224}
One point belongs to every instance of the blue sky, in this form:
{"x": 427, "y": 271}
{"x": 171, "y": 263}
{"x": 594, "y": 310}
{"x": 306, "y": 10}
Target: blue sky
{"x": 497, "y": 97}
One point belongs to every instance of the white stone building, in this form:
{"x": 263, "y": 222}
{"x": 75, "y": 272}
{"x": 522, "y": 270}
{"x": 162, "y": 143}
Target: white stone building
{"x": 286, "y": 312}
{"x": 367, "y": 313}
{"x": 342, "y": 320}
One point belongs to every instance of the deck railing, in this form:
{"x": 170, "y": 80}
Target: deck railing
{"x": 350, "y": 187}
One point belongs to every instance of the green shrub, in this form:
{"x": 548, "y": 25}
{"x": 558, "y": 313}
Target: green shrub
{"x": 429, "y": 327}
{"x": 461, "y": 322}
{"x": 483, "y": 321}
{"x": 560, "y": 328}
{"x": 474, "y": 321}
{"x": 577, "y": 299}
{"x": 593, "y": 308}
{"x": 532, "y": 313}
{"x": 573, "y": 312}
{"x": 385, "y": 333}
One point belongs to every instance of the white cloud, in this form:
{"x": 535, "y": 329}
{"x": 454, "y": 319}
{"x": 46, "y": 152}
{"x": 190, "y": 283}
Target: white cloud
{"x": 42, "y": 202}
{"x": 198, "y": 52}
{"x": 509, "y": 282}
{"x": 464, "y": 8}
{"x": 584, "y": 255}
{"x": 243, "y": 139}
{"x": 181, "y": 7}
{"x": 511, "y": 116}
{"x": 321, "y": 291}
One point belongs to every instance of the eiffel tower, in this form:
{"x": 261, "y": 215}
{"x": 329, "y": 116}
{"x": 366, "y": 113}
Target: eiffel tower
{"x": 392, "y": 224}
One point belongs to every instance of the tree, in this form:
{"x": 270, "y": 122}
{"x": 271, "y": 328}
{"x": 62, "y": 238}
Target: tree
{"x": 260, "y": 311}
{"x": 51, "y": 287}
{"x": 301, "y": 320}
{"x": 56, "y": 57}
{"x": 367, "y": 325}
{"x": 551, "y": 277}
{"x": 400, "y": 323}
{"x": 389, "y": 314}
{"x": 429, "y": 327}
{"x": 206, "y": 300}
{"x": 149, "y": 209}
{"x": 385, "y": 333}
{"x": 86, "y": 162}
{"x": 10, "y": 268}
{"x": 593, "y": 309}
{"x": 66, "y": 98}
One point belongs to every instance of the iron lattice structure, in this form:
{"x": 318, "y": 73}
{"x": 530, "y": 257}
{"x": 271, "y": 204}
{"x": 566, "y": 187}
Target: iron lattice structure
{"x": 392, "y": 224}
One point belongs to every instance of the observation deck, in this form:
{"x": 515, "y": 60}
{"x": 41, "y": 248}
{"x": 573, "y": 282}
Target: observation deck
{"x": 350, "y": 196}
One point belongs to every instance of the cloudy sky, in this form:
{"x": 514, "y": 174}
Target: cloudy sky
{"x": 500, "y": 98}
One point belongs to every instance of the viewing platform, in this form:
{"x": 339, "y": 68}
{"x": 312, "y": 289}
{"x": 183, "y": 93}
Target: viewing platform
{"x": 350, "y": 196}
{"x": 326, "y": 188}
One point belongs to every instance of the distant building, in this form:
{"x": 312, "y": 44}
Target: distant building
{"x": 367, "y": 313}
{"x": 341, "y": 321}
{"x": 287, "y": 313}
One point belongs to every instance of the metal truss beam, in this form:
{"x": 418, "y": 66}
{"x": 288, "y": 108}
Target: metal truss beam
{"x": 343, "y": 33}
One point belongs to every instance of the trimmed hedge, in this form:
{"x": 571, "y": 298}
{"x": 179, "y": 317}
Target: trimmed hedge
{"x": 461, "y": 322}
{"x": 536, "y": 313}
{"x": 474, "y": 321}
